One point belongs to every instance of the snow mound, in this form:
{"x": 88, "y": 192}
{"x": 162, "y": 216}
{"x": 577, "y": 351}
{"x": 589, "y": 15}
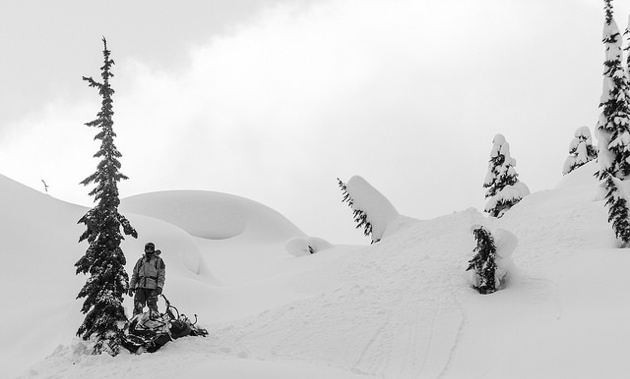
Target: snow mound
{"x": 581, "y": 176}
{"x": 178, "y": 249}
{"x": 212, "y": 215}
{"x": 505, "y": 242}
{"x": 301, "y": 246}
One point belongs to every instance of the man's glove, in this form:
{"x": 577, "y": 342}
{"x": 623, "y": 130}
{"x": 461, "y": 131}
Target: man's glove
{"x": 131, "y": 291}
{"x": 159, "y": 290}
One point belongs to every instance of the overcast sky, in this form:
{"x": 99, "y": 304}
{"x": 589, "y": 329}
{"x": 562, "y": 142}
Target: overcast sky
{"x": 273, "y": 100}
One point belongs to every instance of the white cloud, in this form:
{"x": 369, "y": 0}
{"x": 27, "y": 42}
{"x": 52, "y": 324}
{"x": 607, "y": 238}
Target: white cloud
{"x": 407, "y": 94}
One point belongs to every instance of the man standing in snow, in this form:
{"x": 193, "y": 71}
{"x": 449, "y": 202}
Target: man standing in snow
{"x": 147, "y": 280}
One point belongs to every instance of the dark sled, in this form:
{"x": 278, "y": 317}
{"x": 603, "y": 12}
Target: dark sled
{"x": 148, "y": 332}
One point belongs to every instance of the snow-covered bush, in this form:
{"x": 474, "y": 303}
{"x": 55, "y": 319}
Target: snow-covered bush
{"x": 581, "y": 150}
{"x": 301, "y": 246}
{"x": 372, "y": 211}
{"x": 483, "y": 263}
{"x": 492, "y": 260}
{"x": 504, "y": 188}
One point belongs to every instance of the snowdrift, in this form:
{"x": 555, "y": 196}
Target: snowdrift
{"x": 400, "y": 308}
{"x": 213, "y": 215}
{"x": 304, "y": 246}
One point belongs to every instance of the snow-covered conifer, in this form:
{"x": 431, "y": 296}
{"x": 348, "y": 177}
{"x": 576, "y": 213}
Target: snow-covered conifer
{"x": 613, "y": 129}
{"x": 613, "y": 126}
{"x": 104, "y": 260}
{"x": 617, "y": 203}
{"x": 483, "y": 263}
{"x": 581, "y": 150}
{"x": 504, "y": 188}
{"x": 360, "y": 217}
{"x": 372, "y": 211}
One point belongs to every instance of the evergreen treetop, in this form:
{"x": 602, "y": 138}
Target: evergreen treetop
{"x": 613, "y": 126}
{"x": 581, "y": 150}
{"x": 501, "y": 172}
{"x": 504, "y": 188}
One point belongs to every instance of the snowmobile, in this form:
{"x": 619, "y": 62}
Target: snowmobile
{"x": 148, "y": 332}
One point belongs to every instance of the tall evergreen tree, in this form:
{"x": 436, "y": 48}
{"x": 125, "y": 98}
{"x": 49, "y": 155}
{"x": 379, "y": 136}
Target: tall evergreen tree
{"x": 360, "y": 217}
{"x": 484, "y": 262}
{"x": 613, "y": 129}
{"x": 504, "y": 188}
{"x": 581, "y": 150}
{"x": 613, "y": 126}
{"x": 104, "y": 260}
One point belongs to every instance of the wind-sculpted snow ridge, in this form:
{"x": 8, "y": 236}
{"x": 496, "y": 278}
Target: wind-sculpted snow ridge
{"x": 213, "y": 215}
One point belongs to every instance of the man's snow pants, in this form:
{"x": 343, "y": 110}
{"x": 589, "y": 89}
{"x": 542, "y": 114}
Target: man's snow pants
{"x": 145, "y": 296}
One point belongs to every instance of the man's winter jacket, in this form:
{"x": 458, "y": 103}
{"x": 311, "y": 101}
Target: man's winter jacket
{"x": 149, "y": 272}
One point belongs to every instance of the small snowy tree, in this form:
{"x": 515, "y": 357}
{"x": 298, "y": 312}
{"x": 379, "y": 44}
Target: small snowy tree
{"x": 492, "y": 263}
{"x": 372, "y": 211}
{"x": 613, "y": 127}
{"x": 483, "y": 263}
{"x": 504, "y": 188}
{"x": 104, "y": 260}
{"x": 360, "y": 217}
{"x": 581, "y": 150}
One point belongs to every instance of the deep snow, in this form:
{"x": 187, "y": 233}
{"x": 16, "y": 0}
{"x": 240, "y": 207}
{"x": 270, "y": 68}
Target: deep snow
{"x": 401, "y": 308}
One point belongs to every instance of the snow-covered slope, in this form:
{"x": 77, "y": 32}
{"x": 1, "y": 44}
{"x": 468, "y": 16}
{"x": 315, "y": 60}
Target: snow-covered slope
{"x": 40, "y": 247}
{"x": 400, "y": 308}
